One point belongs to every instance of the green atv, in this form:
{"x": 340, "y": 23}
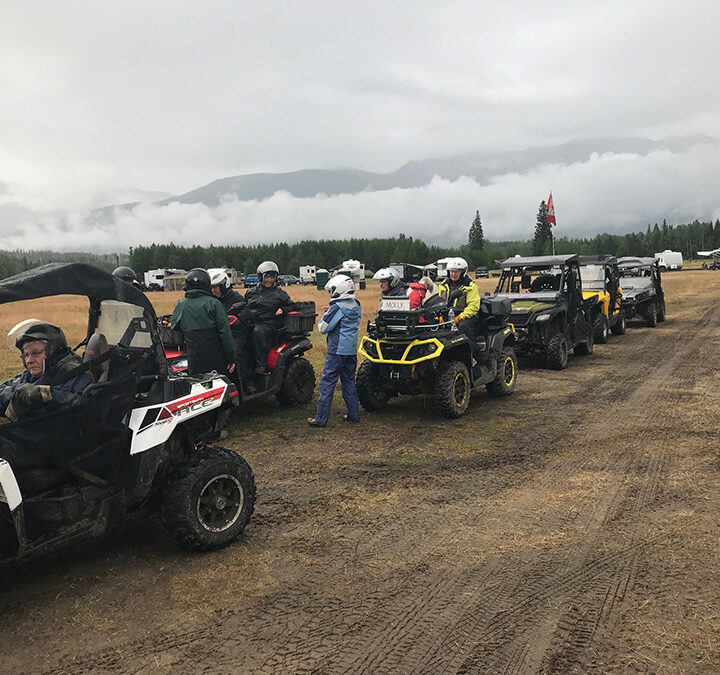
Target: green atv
{"x": 421, "y": 351}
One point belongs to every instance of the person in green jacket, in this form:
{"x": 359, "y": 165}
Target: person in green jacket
{"x": 461, "y": 293}
{"x": 202, "y": 319}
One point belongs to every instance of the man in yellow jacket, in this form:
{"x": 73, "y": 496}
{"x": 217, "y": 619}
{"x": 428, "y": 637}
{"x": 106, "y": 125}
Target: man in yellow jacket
{"x": 461, "y": 293}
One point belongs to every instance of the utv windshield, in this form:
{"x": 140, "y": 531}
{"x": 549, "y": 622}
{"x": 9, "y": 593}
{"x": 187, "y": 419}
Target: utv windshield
{"x": 637, "y": 282}
{"x": 530, "y": 280}
{"x": 593, "y": 277}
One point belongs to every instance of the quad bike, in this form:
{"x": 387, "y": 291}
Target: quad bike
{"x": 140, "y": 439}
{"x": 549, "y": 314}
{"x": 289, "y": 376}
{"x": 421, "y": 351}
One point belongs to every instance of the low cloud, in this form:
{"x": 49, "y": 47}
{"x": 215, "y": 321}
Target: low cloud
{"x": 608, "y": 193}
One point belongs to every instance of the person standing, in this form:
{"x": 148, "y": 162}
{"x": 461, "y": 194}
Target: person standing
{"x": 202, "y": 320}
{"x": 340, "y": 324}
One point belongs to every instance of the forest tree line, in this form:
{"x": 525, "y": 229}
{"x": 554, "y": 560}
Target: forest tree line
{"x": 375, "y": 253}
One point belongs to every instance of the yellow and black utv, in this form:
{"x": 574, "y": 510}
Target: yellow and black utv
{"x": 601, "y": 279}
{"x": 421, "y": 351}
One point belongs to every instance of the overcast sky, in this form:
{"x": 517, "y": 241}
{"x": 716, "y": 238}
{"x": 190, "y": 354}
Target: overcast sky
{"x": 100, "y": 97}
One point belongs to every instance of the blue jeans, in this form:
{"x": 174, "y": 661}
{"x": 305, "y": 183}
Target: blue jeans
{"x": 342, "y": 367}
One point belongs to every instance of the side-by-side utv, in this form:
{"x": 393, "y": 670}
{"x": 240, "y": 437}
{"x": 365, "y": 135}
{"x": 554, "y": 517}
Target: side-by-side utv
{"x": 601, "y": 280}
{"x": 420, "y": 351}
{"x": 138, "y": 439}
{"x": 549, "y": 314}
{"x": 643, "y": 293}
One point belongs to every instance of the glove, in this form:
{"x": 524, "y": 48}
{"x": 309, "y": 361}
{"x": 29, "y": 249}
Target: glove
{"x": 29, "y": 394}
{"x": 458, "y": 319}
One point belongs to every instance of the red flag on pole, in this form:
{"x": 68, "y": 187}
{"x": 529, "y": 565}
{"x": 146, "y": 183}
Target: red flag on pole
{"x": 551, "y": 210}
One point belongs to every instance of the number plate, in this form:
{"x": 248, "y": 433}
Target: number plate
{"x": 395, "y": 304}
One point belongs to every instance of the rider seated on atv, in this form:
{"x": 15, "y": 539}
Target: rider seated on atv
{"x": 268, "y": 303}
{"x": 462, "y": 295}
{"x": 46, "y": 385}
{"x": 222, "y": 289}
{"x": 205, "y": 326}
{"x": 422, "y": 292}
{"x": 390, "y": 285}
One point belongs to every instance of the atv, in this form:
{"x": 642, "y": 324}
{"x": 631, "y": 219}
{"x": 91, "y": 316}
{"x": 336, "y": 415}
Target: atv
{"x": 140, "y": 439}
{"x": 421, "y": 351}
{"x": 601, "y": 280}
{"x": 289, "y": 376}
{"x": 549, "y": 314}
{"x": 643, "y": 294}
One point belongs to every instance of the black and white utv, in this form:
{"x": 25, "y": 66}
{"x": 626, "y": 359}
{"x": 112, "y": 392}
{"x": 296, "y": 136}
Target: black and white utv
{"x": 139, "y": 439}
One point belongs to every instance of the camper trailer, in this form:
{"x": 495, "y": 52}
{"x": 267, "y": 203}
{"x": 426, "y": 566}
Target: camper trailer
{"x": 307, "y": 274}
{"x": 155, "y": 279}
{"x": 354, "y": 269}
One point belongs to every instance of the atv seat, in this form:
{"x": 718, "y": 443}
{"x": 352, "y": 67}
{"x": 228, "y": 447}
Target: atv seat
{"x": 34, "y": 481}
{"x": 97, "y": 346}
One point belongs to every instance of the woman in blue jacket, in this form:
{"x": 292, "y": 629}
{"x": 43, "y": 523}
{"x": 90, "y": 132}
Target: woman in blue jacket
{"x": 340, "y": 324}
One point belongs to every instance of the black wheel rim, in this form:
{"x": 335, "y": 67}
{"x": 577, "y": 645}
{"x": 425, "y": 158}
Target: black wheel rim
{"x": 220, "y": 503}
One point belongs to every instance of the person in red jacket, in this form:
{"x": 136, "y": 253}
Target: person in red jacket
{"x": 419, "y": 292}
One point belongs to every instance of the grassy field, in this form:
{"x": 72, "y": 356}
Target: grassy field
{"x": 572, "y": 527}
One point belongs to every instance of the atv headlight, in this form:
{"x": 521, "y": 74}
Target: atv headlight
{"x": 542, "y": 317}
{"x": 370, "y": 349}
{"x": 419, "y": 351}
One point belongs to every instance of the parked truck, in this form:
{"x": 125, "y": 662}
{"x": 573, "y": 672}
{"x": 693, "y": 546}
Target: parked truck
{"x": 669, "y": 260}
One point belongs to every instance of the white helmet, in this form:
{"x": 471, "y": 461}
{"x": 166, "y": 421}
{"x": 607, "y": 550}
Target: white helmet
{"x": 219, "y": 277}
{"x": 386, "y": 274}
{"x": 267, "y": 267}
{"x": 457, "y": 264}
{"x": 339, "y": 285}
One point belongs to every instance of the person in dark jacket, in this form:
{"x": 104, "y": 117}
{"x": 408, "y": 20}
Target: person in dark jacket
{"x": 47, "y": 384}
{"x": 203, "y": 321}
{"x": 268, "y": 303}
{"x": 239, "y": 317}
{"x": 340, "y": 324}
{"x": 222, "y": 289}
{"x": 390, "y": 285}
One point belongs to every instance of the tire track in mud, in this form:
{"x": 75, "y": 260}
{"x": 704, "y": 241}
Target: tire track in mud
{"x": 469, "y": 619}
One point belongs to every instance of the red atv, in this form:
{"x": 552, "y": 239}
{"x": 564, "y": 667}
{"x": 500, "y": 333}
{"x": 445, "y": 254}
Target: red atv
{"x": 289, "y": 376}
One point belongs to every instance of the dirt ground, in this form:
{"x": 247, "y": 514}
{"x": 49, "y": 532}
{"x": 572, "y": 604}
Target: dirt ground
{"x": 570, "y": 528}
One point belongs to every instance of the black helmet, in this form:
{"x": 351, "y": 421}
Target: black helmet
{"x": 50, "y": 334}
{"x": 197, "y": 278}
{"x": 125, "y": 273}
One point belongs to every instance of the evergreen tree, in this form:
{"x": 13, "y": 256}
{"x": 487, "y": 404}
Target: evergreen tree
{"x": 476, "y": 238}
{"x": 543, "y": 232}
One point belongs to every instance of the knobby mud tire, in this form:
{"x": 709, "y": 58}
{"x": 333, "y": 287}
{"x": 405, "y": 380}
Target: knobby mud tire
{"x": 298, "y": 384}
{"x": 585, "y": 348}
{"x": 619, "y": 327}
{"x": 506, "y": 379}
{"x": 209, "y": 499}
{"x": 557, "y": 352}
{"x": 651, "y": 316}
{"x": 367, "y": 382}
{"x": 600, "y": 329}
{"x": 662, "y": 312}
{"x": 451, "y": 396}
